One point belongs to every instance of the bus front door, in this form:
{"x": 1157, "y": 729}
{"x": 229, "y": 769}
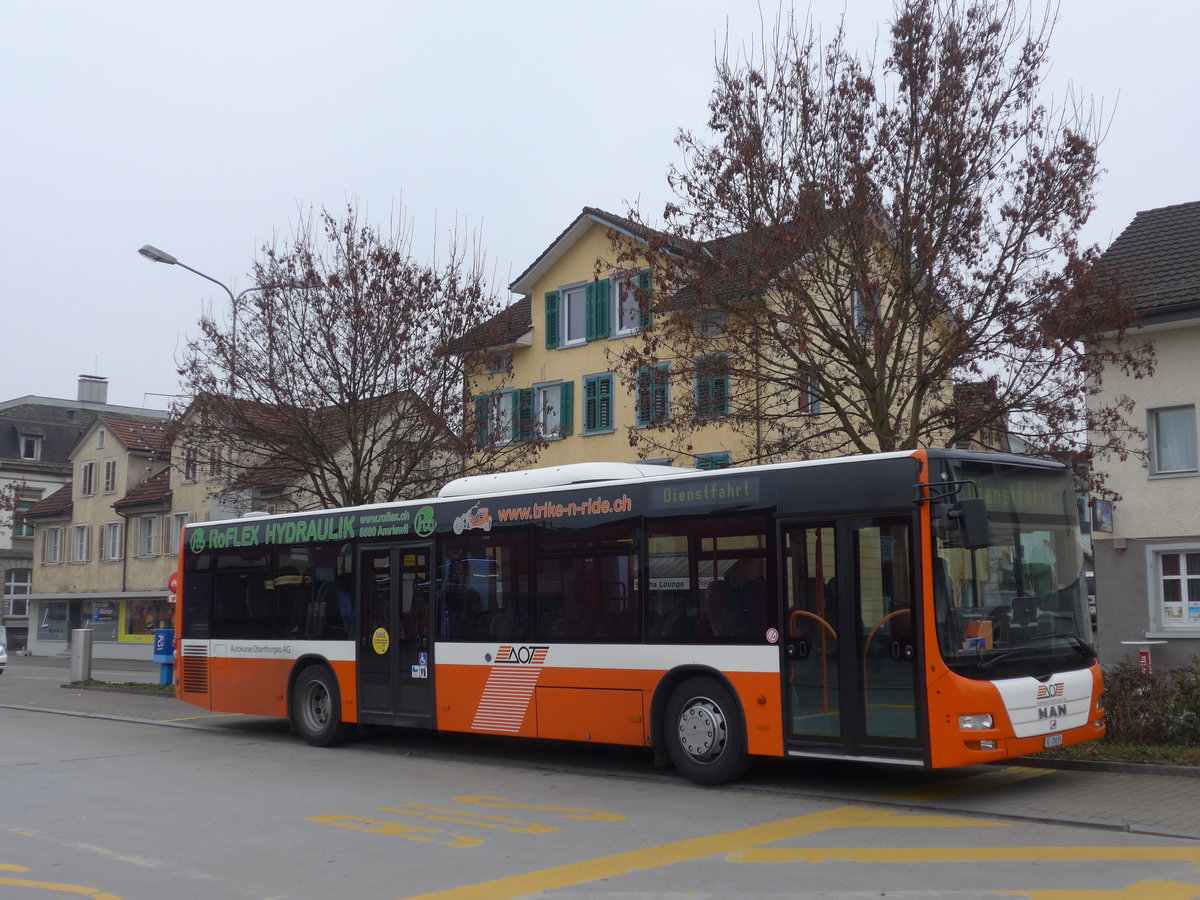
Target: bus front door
{"x": 851, "y": 652}
{"x": 395, "y": 664}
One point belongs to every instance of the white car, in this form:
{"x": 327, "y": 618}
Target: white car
{"x": 3, "y": 657}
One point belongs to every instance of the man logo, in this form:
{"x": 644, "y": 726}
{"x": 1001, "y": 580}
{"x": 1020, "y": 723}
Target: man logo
{"x": 1049, "y": 691}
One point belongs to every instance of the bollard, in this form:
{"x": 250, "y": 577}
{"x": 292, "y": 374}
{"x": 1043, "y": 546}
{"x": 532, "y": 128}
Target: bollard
{"x": 81, "y": 654}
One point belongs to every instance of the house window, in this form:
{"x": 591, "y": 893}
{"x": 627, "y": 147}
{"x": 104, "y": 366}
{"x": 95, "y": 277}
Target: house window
{"x": 554, "y": 405}
{"x": 597, "y": 403}
{"x": 712, "y": 387}
{"x": 653, "y": 400}
{"x": 574, "y": 315}
{"x": 22, "y": 527}
{"x": 189, "y": 464}
{"x": 112, "y": 541}
{"x": 1177, "y": 571}
{"x": 110, "y": 476}
{"x": 87, "y": 478}
{"x": 503, "y": 416}
{"x": 214, "y": 461}
{"x": 708, "y": 461}
{"x": 79, "y": 543}
{"x": 17, "y": 585}
{"x": 810, "y": 393}
{"x": 710, "y": 324}
{"x": 595, "y": 310}
{"x": 1173, "y": 440}
{"x": 499, "y": 363}
{"x": 178, "y": 520}
{"x": 629, "y": 315}
{"x": 865, "y": 312}
{"x": 100, "y": 439}
{"x": 148, "y": 536}
{"x": 52, "y": 546}
{"x": 31, "y": 446}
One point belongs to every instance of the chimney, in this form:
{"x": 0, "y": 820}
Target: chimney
{"x": 93, "y": 389}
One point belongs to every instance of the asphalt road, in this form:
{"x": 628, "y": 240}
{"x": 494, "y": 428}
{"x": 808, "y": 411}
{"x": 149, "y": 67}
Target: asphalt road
{"x": 109, "y": 804}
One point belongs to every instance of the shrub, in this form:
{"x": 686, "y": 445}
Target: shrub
{"x": 1160, "y": 708}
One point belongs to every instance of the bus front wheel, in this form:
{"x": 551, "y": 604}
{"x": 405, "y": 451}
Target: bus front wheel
{"x": 704, "y": 733}
{"x": 317, "y": 707}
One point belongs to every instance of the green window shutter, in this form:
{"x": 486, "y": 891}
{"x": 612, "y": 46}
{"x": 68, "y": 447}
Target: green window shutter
{"x": 712, "y": 387}
{"x": 591, "y": 393}
{"x": 566, "y": 415}
{"x": 522, "y": 408}
{"x": 710, "y": 461}
{"x": 643, "y": 283}
{"x": 652, "y": 395}
{"x": 551, "y": 320}
{"x": 606, "y": 418}
{"x": 597, "y": 404}
{"x": 481, "y": 420}
{"x": 596, "y": 309}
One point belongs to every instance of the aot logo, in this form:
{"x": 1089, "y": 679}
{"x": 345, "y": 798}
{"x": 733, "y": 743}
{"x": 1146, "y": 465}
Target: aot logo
{"x": 521, "y": 656}
{"x": 1049, "y": 691}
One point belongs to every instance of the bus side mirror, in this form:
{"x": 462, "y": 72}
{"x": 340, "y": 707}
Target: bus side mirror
{"x": 973, "y": 523}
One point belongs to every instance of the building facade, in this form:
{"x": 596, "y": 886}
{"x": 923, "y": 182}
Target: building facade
{"x": 1147, "y": 544}
{"x": 103, "y": 546}
{"x": 552, "y": 369}
{"x": 37, "y": 435}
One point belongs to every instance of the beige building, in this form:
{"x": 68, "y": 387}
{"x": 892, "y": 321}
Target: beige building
{"x": 1147, "y": 545}
{"x": 106, "y": 543}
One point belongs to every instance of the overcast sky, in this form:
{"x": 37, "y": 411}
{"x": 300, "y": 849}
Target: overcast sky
{"x": 207, "y": 128}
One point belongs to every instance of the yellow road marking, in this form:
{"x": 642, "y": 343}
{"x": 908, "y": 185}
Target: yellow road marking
{"x": 396, "y": 829}
{"x": 970, "y": 784}
{"x": 966, "y": 854}
{"x": 569, "y": 812}
{"x": 479, "y": 820}
{"x": 1142, "y": 890}
{"x": 36, "y": 885}
{"x": 693, "y": 848}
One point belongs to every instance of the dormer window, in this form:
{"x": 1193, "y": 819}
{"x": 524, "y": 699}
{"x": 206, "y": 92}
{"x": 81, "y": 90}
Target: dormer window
{"x": 31, "y": 446}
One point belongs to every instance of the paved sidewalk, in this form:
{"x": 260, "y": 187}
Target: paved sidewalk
{"x": 1151, "y": 800}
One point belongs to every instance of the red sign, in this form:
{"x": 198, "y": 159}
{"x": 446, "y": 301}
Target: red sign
{"x": 1144, "y": 661}
{"x": 173, "y": 583}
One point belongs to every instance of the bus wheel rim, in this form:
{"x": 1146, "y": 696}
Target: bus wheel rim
{"x": 316, "y": 706}
{"x": 703, "y": 731}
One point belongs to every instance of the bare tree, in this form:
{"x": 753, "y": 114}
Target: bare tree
{"x": 337, "y": 383}
{"x": 854, "y": 236}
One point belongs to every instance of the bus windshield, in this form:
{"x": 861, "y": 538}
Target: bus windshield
{"x": 1018, "y": 606}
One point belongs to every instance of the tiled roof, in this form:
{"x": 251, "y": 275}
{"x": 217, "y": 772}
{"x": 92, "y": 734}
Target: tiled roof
{"x": 139, "y": 435}
{"x": 57, "y": 504}
{"x": 1159, "y": 253}
{"x": 155, "y": 489}
{"x": 503, "y": 328}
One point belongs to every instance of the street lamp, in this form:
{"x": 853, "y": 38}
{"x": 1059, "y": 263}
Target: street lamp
{"x": 162, "y": 256}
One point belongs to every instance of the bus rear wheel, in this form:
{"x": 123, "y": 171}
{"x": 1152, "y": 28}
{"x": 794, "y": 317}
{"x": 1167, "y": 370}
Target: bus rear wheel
{"x": 704, "y": 732}
{"x": 317, "y": 707}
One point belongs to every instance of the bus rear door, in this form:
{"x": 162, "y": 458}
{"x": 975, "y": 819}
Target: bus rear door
{"x": 395, "y": 652}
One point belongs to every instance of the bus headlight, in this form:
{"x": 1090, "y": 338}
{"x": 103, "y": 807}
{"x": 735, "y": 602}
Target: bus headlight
{"x": 978, "y": 722}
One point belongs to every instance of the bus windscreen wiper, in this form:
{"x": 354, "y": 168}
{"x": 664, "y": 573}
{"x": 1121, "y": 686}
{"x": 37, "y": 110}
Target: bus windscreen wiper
{"x": 1078, "y": 644}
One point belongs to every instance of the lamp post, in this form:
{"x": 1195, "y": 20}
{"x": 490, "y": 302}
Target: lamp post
{"x": 161, "y": 256}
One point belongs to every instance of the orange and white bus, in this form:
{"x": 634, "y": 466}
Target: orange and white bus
{"x": 924, "y": 608}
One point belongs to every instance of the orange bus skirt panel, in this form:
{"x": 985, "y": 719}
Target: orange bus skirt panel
{"x": 571, "y": 704}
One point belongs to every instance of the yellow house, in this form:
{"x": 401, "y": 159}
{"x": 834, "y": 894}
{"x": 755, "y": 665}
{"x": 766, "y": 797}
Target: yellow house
{"x": 552, "y": 373}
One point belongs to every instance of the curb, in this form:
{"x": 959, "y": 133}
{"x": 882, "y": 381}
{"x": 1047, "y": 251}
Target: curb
{"x": 1090, "y": 765}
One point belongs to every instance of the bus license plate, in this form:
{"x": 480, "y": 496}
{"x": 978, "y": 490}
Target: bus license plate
{"x": 1053, "y": 740}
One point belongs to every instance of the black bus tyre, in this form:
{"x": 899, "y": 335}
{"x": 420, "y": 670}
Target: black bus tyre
{"x": 317, "y": 707}
{"x": 703, "y": 730}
